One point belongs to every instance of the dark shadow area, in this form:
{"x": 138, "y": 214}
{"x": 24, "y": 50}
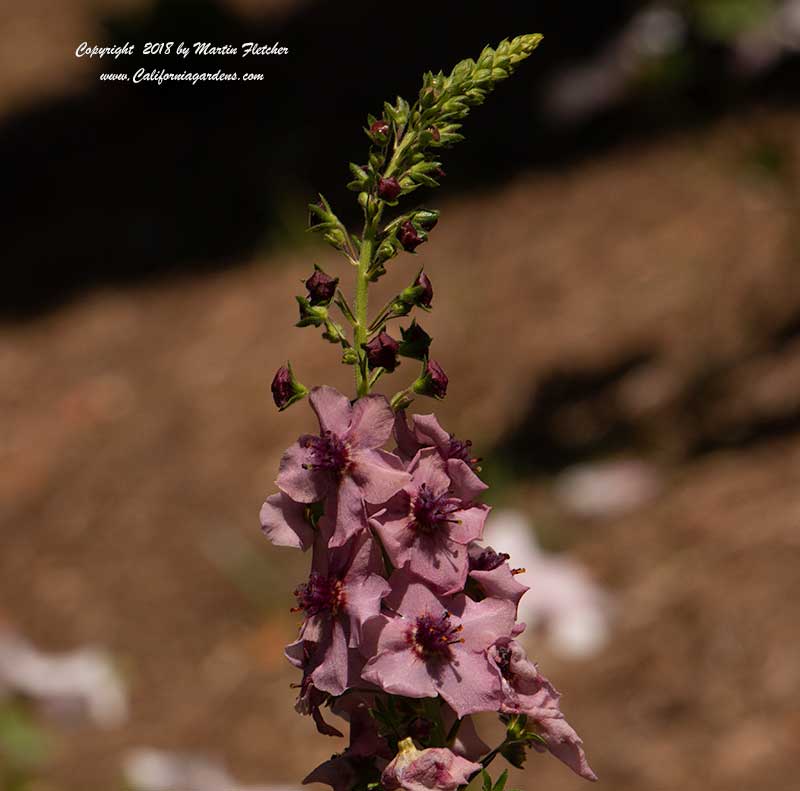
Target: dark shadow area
{"x": 574, "y": 414}
{"x": 125, "y": 181}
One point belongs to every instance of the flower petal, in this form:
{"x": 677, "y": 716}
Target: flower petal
{"x": 469, "y": 684}
{"x": 428, "y": 467}
{"x": 333, "y": 409}
{"x": 351, "y": 516}
{"x": 330, "y": 674}
{"x": 469, "y": 526}
{"x": 372, "y": 422}
{"x": 400, "y": 672}
{"x": 377, "y": 474}
{"x": 429, "y": 432}
{"x": 284, "y": 524}
{"x": 500, "y": 583}
{"x": 466, "y": 484}
{"x": 301, "y": 484}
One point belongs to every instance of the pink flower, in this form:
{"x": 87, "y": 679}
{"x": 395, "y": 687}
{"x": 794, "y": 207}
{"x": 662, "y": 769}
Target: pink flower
{"x": 436, "y": 646}
{"x": 421, "y": 770}
{"x": 526, "y": 691}
{"x": 343, "y": 592}
{"x": 284, "y": 522}
{"x": 425, "y": 432}
{"x": 428, "y": 526}
{"x": 344, "y": 462}
{"x": 491, "y": 571}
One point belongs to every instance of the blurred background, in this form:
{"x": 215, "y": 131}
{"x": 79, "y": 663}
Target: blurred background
{"x": 617, "y": 307}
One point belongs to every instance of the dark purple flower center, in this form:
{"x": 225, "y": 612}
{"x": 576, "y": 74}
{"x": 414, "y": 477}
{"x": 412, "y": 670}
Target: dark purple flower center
{"x": 431, "y": 636}
{"x": 488, "y": 560}
{"x": 433, "y": 511}
{"x": 327, "y": 452}
{"x": 460, "y": 449}
{"x": 320, "y": 594}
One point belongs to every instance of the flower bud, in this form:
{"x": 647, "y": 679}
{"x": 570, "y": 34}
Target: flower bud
{"x": 389, "y": 189}
{"x": 425, "y": 770}
{"x": 415, "y": 343}
{"x": 382, "y": 352}
{"x": 426, "y": 219}
{"x": 420, "y": 293}
{"x": 379, "y": 132}
{"x": 321, "y": 287}
{"x": 435, "y": 134}
{"x": 285, "y": 388}
{"x": 409, "y": 237}
{"x": 425, "y": 287}
{"x": 432, "y": 382}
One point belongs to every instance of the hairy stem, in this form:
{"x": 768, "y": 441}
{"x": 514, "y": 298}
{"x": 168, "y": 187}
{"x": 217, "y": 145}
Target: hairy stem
{"x": 362, "y": 286}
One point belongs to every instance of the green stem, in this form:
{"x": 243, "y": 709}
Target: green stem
{"x": 361, "y": 304}
{"x": 451, "y": 736}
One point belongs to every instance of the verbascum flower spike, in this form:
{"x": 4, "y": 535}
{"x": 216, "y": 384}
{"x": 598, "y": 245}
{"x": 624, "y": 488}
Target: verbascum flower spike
{"x": 407, "y": 622}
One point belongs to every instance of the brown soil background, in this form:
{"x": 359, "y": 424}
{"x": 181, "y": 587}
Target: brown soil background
{"x": 138, "y": 440}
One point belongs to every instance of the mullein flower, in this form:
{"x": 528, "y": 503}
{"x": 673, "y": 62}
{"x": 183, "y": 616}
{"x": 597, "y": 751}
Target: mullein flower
{"x": 423, "y": 770}
{"x": 344, "y": 590}
{"x": 426, "y": 432}
{"x": 426, "y": 527}
{"x": 344, "y": 463}
{"x": 436, "y": 645}
{"x": 526, "y": 691}
{"x": 494, "y": 576}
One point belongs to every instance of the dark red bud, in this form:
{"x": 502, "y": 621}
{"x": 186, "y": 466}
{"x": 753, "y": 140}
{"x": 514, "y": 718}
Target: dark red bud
{"x": 426, "y": 294}
{"x": 439, "y": 173}
{"x": 321, "y": 288}
{"x": 380, "y": 128}
{"x": 438, "y": 379}
{"x": 408, "y": 236}
{"x": 389, "y": 189}
{"x": 435, "y": 133}
{"x": 433, "y": 381}
{"x": 382, "y": 352}
{"x": 282, "y": 389}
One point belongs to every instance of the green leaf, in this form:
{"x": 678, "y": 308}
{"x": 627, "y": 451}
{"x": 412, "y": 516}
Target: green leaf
{"x": 501, "y": 781}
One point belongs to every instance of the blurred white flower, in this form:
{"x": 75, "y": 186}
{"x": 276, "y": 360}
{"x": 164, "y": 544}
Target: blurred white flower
{"x": 607, "y": 489}
{"x": 157, "y": 770}
{"x": 82, "y": 681}
{"x": 563, "y": 602}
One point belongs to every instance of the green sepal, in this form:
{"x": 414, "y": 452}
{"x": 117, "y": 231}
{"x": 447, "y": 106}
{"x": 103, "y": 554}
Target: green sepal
{"x": 334, "y": 333}
{"x": 311, "y": 315}
{"x": 415, "y": 342}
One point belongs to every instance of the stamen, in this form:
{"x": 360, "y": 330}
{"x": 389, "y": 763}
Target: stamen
{"x": 431, "y": 637}
{"x": 432, "y": 511}
{"x": 320, "y": 594}
{"x": 327, "y": 452}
